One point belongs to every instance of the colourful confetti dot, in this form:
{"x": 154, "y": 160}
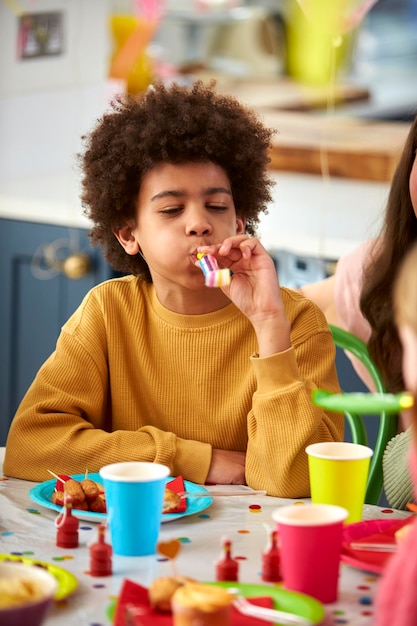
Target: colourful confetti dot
{"x": 184, "y": 539}
{"x": 86, "y": 528}
{"x": 58, "y": 558}
{"x": 387, "y": 511}
{"x": 7, "y": 533}
{"x": 99, "y": 586}
{"x": 338, "y": 612}
{"x": 204, "y": 516}
{"x": 162, "y": 559}
{"x": 255, "y": 507}
{"x": 3, "y": 479}
{"x": 243, "y": 532}
{"x": 298, "y": 503}
{"x": 367, "y": 613}
{"x": 28, "y": 553}
{"x": 365, "y": 600}
{"x": 363, "y": 587}
{"x": 33, "y": 511}
{"x": 241, "y": 558}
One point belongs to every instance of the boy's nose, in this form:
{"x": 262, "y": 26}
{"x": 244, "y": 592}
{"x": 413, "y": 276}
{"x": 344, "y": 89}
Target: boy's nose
{"x": 198, "y": 226}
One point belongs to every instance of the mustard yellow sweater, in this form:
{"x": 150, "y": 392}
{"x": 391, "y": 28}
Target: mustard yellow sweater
{"x": 131, "y": 380}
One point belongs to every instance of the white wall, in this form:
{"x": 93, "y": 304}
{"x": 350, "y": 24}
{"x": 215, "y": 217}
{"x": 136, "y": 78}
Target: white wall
{"x": 47, "y": 103}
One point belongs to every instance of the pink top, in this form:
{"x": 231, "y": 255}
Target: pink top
{"x": 347, "y": 289}
{"x": 396, "y": 600}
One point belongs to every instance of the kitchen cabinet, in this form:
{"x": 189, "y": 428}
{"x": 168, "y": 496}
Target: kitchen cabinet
{"x": 35, "y": 303}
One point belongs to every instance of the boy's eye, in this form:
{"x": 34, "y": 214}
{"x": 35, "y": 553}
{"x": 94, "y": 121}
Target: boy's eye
{"x": 217, "y": 207}
{"x": 171, "y": 210}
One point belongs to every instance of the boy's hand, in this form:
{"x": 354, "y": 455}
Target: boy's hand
{"x": 255, "y": 290}
{"x": 227, "y": 468}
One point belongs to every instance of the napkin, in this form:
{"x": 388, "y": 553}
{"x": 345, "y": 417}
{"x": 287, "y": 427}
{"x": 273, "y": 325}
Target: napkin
{"x": 387, "y": 535}
{"x": 133, "y": 609}
{"x": 177, "y": 485}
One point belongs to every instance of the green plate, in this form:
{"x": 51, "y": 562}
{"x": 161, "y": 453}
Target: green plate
{"x": 67, "y": 582}
{"x": 290, "y": 601}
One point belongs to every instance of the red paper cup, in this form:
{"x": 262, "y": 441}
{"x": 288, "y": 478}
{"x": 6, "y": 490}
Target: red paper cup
{"x": 311, "y": 542}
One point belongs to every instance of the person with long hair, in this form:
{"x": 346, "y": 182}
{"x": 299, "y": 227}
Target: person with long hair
{"x": 358, "y": 298}
{"x": 396, "y": 599}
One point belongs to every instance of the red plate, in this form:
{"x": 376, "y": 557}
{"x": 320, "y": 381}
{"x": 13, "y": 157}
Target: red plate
{"x": 376, "y": 530}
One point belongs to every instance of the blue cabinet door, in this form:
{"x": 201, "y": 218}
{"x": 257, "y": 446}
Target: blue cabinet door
{"x": 35, "y": 303}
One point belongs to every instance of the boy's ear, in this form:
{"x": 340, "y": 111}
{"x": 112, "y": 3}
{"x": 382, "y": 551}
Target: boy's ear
{"x": 240, "y": 225}
{"x": 127, "y": 239}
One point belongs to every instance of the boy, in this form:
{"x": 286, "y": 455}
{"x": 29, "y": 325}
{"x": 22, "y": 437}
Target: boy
{"x": 213, "y": 382}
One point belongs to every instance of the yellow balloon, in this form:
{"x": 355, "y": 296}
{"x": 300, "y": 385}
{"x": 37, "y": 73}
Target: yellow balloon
{"x": 336, "y": 17}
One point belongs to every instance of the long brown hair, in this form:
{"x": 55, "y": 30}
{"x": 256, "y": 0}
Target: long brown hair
{"x": 398, "y": 233}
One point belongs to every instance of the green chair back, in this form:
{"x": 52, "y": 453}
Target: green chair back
{"x": 387, "y": 422}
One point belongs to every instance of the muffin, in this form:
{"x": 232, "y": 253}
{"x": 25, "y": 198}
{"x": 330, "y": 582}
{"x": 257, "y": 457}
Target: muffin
{"x": 205, "y": 605}
{"x": 162, "y": 589}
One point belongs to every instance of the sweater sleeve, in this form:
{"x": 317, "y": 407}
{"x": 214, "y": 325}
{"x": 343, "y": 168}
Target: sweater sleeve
{"x": 283, "y": 420}
{"x": 67, "y": 420}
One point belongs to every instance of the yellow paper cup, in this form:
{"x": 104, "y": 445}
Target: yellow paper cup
{"x": 338, "y": 475}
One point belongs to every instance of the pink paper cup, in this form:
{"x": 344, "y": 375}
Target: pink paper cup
{"x": 311, "y": 543}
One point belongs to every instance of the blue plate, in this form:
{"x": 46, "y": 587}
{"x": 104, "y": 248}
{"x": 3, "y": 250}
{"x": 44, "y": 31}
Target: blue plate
{"x": 42, "y": 494}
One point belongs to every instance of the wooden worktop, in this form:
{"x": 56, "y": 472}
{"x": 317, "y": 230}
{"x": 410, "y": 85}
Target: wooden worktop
{"x": 315, "y": 137}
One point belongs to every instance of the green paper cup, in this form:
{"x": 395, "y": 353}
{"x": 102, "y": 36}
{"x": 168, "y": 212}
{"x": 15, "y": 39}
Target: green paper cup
{"x": 339, "y": 474}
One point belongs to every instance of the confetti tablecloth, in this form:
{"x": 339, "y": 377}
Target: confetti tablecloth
{"x": 27, "y": 529}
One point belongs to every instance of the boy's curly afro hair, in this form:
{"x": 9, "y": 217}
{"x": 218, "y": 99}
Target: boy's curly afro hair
{"x": 171, "y": 124}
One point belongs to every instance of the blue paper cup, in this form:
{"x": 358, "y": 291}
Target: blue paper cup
{"x": 134, "y": 500}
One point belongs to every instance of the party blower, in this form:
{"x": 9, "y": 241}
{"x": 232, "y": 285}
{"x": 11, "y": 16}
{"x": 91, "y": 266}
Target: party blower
{"x": 355, "y": 402}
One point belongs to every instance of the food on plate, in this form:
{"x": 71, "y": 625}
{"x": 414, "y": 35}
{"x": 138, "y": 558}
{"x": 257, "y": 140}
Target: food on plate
{"x": 205, "y": 605}
{"x": 98, "y": 505}
{"x": 162, "y": 589}
{"x": 15, "y": 591}
{"x": 171, "y": 501}
{"x": 86, "y": 495}
{"x": 91, "y": 489}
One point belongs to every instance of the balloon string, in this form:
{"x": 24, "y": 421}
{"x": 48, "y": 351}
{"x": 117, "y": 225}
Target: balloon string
{"x": 324, "y": 155}
{"x": 62, "y": 516}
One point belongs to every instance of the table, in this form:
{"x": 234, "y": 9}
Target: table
{"x": 28, "y": 529}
